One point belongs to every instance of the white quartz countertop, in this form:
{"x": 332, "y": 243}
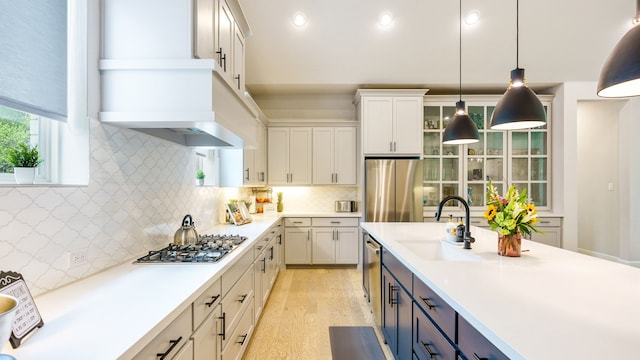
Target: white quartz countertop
{"x": 115, "y": 313}
{"x": 548, "y": 304}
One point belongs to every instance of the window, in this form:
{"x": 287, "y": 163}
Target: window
{"x": 43, "y": 86}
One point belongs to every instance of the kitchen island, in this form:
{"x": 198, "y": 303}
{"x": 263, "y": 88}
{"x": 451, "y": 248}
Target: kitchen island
{"x": 548, "y": 304}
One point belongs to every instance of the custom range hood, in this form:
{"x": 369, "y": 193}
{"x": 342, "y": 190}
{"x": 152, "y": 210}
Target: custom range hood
{"x": 183, "y": 101}
{"x": 151, "y": 80}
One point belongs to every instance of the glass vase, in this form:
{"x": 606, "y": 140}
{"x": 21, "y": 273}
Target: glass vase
{"x": 509, "y": 245}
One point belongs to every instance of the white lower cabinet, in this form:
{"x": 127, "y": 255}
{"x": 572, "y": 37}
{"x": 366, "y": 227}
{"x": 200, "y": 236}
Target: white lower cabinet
{"x": 219, "y": 323}
{"x": 552, "y": 232}
{"x": 238, "y": 339}
{"x": 167, "y": 344}
{"x": 297, "y": 237}
{"x": 321, "y": 241}
{"x": 335, "y": 240}
{"x": 206, "y": 339}
{"x": 235, "y": 303}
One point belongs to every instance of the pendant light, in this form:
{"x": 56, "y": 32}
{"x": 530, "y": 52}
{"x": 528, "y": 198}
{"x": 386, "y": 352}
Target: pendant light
{"x": 519, "y": 107}
{"x": 620, "y": 75}
{"x": 460, "y": 129}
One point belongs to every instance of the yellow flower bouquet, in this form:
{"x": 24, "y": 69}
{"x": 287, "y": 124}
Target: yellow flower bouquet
{"x": 511, "y": 213}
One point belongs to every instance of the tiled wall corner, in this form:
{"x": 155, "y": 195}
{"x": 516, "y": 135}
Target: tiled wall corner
{"x": 140, "y": 188}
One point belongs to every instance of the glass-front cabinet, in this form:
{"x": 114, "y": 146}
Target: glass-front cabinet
{"x": 505, "y": 157}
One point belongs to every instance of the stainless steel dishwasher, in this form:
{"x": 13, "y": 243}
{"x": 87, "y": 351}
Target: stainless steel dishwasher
{"x": 372, "y": 276}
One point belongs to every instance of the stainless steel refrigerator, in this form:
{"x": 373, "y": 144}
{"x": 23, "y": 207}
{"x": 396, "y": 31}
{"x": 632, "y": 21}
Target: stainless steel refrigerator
{"x": 393, "y": 190}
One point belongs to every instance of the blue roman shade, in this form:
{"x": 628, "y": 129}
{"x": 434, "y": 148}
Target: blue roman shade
{"x": 33, "y": 60}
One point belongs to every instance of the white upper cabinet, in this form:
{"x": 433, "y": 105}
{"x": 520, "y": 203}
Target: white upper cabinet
{"x": 225, "y": 39}
{"x": 238, "y": 60}
{"x": 204, "y": 24}
{"x": 334, "y": 156}
{"x": 217, "y": 35}
{"x": 290, "y": 155}
{"x": 391, "y": 121}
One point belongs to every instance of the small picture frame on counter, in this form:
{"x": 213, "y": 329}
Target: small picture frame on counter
{"x": 239, "y": 213}
{"x": 27, "y": 316}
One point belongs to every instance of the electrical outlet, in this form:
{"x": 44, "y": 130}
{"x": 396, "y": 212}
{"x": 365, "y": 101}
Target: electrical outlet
{"x": 76, "y": 258}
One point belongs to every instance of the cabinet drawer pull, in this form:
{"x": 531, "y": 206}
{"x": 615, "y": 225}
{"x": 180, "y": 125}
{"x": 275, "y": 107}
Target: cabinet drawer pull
{"x": 297, "y": 222}
{"x": 477, "y": 357}
{"x": 271, "y": 253}
{"x": 392, "y": 299}
{"x": 336, "y": 222}
{"x": 428, "y": 303}
{"x": 162, "y": 356}
{"x": 432, "y": 354}
{"x": 244, "y": 338}
{"x": 224, "y": 326}
{"x": 213, "y": 300}
{"x": 264, "y": 268}
{"x": 243, "y": 298}
{"x": 545, "y": 222}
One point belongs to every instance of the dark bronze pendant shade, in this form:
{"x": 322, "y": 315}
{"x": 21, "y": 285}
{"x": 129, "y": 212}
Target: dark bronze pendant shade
{"x": 461, "y": 129}
{"x": 519, "y": 107}
{"x": 620, "y": 75}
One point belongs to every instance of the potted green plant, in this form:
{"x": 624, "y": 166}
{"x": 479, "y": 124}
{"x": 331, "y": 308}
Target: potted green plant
{"x": 200, "y": 178}
{"x": 25, "y": 160}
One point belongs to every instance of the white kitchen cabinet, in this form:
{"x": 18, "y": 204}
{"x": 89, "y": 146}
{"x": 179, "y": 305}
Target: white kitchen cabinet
{"x": 290, "y": 155}
{"x": 170, "y": 340}
{"x": 245, "y": 167}
{"x": 297, "y": 237}
{"x": 239, "y": 337}
{"x": 517, "y": 157}
{"x": 225, "y": 37}
{"x": 207, "y": 340}
{"x": 334, "y": 156}
{"x": 391, "y": 121}
{"x": 204, "y": 24}
{"x": 238, "y": 60}
{"x": 217, "y": 35}
{"x": 335, "y": 241}
{"x": 552, "y": 228}
{"x": 264, "y": 271}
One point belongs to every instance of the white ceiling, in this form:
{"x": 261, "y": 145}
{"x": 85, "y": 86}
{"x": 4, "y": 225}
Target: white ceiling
{"x": 342, "y": 48}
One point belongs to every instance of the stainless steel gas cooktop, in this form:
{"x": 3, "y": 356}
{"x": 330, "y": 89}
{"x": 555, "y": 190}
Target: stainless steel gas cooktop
{"x": 208, "y": 249}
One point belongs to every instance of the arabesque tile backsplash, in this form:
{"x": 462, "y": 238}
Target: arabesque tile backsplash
{"x": 139, "y": 190}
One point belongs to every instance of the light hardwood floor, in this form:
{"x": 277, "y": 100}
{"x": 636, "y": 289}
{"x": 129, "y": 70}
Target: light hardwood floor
{"x": 302, "y": 305}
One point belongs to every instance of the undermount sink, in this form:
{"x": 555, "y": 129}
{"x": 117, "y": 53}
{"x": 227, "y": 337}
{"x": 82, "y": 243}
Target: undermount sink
{"x": 438, "y": 250}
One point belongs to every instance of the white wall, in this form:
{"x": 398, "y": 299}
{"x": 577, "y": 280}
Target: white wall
{"x": 567, "y": 179}
{"x": 598, "y": 170}
{"x": 140, "y": 188}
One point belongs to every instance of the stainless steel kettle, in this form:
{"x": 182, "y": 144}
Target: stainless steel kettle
{"x": 187, "y": 234}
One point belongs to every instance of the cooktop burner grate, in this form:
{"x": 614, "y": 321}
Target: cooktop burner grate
{"x": 208, "y": 249}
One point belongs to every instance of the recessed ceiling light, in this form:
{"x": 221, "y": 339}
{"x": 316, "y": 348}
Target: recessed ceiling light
{"x": 299, "y": 19}
{"x": 385, "y": 19}
{"x": 472, "y": 17}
